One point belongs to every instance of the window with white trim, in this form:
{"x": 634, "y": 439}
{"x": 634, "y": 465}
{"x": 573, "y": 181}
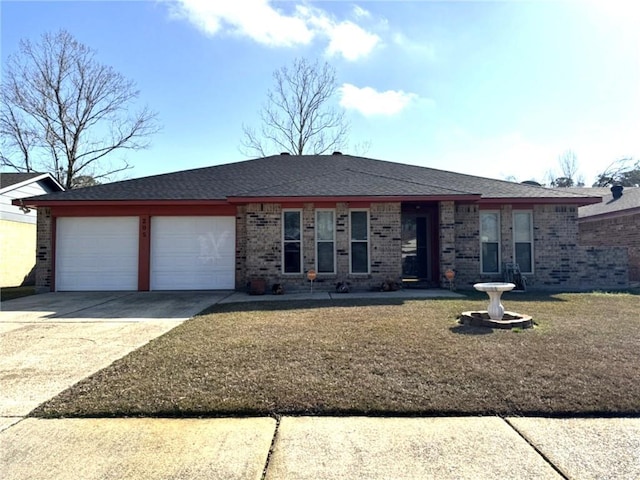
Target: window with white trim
{"x": 325, "y": 241}
{"x": 292, "y": 241}
{"x": 359, "y": 241}
{"x": 523, "y": 240}
{"x": 490, "y": 242}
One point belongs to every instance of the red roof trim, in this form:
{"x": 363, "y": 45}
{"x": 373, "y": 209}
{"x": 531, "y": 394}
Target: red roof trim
{"x": 114, "y": 203}
{"x": 579, "y": 201}
{"x": 474, "y": 198}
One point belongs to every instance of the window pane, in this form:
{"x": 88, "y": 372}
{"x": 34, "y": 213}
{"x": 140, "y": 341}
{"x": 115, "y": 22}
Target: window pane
{"x": 325, "y": 257}
{"x": 522, "y": 227}
{"x": 359, "y": 257}
{"x": 292, "y": 225}
{"x": 324, "y": 224}
{"x": 490, "y": 258}
{"x": 489, "y": 231}
{"x": 292, "y": 257}
{"x": 523, "y": 257}
{"x": 359, "y": 226}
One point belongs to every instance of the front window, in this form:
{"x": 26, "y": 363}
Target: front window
{"x": 359, "y": 245}
{"x": 490, "y": 242}
{"x": 523, "y": 240}
{"x": 292, "y": 241}
{"x": 325, "y": 241}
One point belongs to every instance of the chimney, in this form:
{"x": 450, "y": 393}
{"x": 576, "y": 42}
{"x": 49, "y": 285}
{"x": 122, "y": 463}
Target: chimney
{"x": 336, "y": 153}
{"x": 616, "y": 191}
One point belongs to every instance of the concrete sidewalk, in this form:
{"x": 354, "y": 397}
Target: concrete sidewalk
{"x": 322, "y": 448}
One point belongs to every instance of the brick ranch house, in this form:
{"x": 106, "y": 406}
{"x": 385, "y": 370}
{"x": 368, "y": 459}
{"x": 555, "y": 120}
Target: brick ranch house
{"x": 350, "y": 219}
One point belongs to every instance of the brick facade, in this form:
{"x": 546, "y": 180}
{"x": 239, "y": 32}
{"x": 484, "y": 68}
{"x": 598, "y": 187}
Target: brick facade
{"x": 259, "y": 238}
{"x": 559, "y": 261}
{"x": 617, "y": 231}
{"x": 44, "y": 249}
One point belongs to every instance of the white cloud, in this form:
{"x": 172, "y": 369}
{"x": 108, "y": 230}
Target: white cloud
{"x": 255, "y": 19}
{"x": 351, "y": 41}
{"x": 361, "y": 12}
{"x": 368, "y": 101}
{"x": 260, "y": 21}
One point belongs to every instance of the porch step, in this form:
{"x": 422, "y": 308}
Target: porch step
{"x": 419, "y": 284}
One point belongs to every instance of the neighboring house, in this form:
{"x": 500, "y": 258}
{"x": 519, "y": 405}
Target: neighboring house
{"x": 615, "y": 221}
{"x": 350, "y": 219}
{"x": 18, "y": 225}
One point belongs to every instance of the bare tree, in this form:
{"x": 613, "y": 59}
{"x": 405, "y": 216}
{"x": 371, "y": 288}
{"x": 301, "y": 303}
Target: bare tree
{"x": 569, "y": 172}
{"x": 63, "y": 112}
{"x": 298, "y": 117}
{"x": 624, "y": 171}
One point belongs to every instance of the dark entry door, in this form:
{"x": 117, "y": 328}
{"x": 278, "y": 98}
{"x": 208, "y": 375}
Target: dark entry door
{"x": 416, "y": 247}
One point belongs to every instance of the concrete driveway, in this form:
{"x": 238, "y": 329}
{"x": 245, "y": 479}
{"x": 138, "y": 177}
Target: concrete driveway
{"x": 53, "y": 340}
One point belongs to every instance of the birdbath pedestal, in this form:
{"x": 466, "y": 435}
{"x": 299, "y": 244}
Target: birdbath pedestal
{"x": 494, "y": 290}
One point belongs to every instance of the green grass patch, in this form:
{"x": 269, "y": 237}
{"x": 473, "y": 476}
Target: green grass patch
{"x": 389, "y": 357}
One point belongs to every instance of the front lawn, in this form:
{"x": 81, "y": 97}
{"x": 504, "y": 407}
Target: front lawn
{"x": 382, "y": 357}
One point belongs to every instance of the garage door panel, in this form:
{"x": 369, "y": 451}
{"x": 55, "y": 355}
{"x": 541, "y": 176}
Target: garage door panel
{"x": 192, "y": 253}
{"x": 97, "y": 253}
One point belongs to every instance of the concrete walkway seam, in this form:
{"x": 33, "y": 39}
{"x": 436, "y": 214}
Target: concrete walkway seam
{"x": 271, "y": 447}
{"x": 538, "y": 451}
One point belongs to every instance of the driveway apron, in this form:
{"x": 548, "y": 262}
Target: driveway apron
{"x": 53, "y": 340}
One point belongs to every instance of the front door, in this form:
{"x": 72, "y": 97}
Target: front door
{"x": 418, "y": 246}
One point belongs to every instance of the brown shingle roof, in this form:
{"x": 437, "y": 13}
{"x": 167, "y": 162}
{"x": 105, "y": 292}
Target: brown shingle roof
{"x": 308, "y": 176}
{"x": 627, "y": 203}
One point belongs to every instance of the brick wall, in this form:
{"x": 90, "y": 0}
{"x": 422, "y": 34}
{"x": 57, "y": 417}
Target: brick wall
{"x": 448, "y": 241}
{"x": 618, "y": 231}
{"x": 259, "y": 238}
{"x": 44, "y": 249}
{"x": 559, "y": 262}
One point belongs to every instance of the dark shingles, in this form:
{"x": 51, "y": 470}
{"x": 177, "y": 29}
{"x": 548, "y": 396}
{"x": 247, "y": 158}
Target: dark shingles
{"x": 8, "y": 179}
{"x": 306, "y": 175}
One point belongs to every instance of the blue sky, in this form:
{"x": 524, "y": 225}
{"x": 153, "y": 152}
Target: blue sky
{"x": 495, "y": 89}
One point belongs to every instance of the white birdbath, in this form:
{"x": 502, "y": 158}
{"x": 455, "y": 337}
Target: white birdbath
{"x": 494, "y": 290}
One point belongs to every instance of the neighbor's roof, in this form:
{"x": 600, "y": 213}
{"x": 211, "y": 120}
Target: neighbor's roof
{"x": 628, "y": 203}
{"x": 13, "y": 180}
{"x": 311, "y": 176}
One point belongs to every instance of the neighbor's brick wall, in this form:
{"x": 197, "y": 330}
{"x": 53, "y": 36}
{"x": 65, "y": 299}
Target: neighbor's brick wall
{"x": 44, "y": 249}
{"x": 17, "y": 252}
{"x": 619, "y": 231}
{"x": 259, "y": 237}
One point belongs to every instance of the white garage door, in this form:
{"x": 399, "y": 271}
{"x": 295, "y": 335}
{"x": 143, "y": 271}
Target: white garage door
{"x": 97, "y": 253}
{"x": 193, "y": 253}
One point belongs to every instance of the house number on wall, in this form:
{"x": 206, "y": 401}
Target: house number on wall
{"x": 143, "y": 227}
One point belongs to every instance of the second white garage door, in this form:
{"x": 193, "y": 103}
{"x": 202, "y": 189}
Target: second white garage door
{"x": 193, "y": 253}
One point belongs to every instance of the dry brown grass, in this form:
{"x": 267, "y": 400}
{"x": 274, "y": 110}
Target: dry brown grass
{"x": 399, "y": 358}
